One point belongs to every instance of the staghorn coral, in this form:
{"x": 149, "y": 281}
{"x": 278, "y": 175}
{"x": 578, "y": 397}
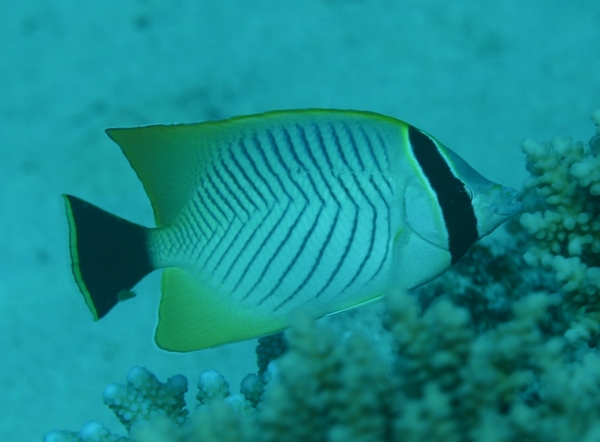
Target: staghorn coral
{"x": 143, "y": 398}
{"x": 446, "y": 383}
{"x": 564, "y": 223}
{"x": 479, "y": 355}
{"x": 91, "y": 431}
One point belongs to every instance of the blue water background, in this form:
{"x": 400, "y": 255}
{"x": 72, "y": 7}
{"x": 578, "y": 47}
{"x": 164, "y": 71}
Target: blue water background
{"x": 478, "y": 75}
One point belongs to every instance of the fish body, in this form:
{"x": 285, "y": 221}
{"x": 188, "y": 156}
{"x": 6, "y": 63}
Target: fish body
{"x": 264, "y": 215}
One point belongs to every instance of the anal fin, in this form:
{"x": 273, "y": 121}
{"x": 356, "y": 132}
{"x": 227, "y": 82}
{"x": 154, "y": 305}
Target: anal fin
{"x": 193, "y": 318}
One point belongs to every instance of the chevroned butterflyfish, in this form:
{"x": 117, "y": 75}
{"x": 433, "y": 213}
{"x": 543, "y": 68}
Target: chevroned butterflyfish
{"x": 263, "y": 215}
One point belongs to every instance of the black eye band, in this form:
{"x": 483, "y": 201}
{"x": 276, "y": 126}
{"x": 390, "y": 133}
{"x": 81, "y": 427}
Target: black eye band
{"x": 453, "y": 197}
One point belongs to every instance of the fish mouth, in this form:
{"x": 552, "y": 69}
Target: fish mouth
{"x": 507, "y": 203}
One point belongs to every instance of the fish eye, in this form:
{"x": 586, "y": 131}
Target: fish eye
{"x": 458, "y": 197}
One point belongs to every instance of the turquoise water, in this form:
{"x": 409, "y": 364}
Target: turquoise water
{"x": 480, "y": 77}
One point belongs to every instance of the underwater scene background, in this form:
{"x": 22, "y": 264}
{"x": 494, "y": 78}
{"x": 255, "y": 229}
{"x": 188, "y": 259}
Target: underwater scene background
{"x": 480, "y": 76}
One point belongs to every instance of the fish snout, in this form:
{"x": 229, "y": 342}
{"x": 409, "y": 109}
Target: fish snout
{"x": 507, "y": 203}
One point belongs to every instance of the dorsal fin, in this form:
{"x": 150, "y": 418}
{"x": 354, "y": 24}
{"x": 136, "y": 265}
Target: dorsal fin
{"x": 169, "y": 161}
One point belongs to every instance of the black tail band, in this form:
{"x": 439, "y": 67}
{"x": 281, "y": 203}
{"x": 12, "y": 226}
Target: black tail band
{"x": 109, "y": 254}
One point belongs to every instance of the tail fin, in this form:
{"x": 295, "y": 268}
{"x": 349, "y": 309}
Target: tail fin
{"x": 109, "y": 255}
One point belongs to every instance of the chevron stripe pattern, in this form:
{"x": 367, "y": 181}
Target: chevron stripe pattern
{"x": 292, "y": 213}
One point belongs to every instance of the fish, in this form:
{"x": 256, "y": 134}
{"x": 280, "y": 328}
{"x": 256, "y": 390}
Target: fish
{"x": 262, "y": 216}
